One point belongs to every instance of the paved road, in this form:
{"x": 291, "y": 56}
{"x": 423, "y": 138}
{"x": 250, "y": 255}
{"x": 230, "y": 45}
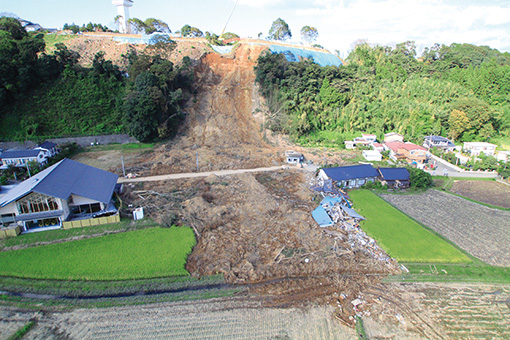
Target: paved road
{"x": 446, "y": 169}
{"x": 196, "y": 174}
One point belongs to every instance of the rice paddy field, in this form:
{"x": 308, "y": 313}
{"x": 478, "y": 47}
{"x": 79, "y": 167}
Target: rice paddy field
{"x": 146, "y": 253}
{"x": 399, "y": 235}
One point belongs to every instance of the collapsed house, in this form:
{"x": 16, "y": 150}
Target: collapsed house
{"x": 336, "y": 212}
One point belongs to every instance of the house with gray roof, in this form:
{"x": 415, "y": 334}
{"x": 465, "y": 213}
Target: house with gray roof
{"x": 66, "y": 191}
{"x": 20, "y": 158}
{"x": 49, "y": 148}
{"x": 348, "y": 177}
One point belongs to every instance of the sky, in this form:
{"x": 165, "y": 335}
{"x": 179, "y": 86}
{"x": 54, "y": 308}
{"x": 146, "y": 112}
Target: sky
{"x": 340, "y": 23}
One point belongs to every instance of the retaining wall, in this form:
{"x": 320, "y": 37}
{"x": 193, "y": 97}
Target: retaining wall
{"x": 91, "y": 221}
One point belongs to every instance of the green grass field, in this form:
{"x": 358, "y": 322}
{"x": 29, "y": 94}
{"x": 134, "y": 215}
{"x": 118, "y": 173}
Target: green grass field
{"x": 146, "y": 253}
{"x": 400, "y": 236}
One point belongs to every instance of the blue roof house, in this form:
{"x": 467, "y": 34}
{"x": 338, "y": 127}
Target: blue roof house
{"x": 350, "y": 176}
{"x": 68, "y": 190}
{"x": 395, "y": 177}
{"x": 20, "y": 158}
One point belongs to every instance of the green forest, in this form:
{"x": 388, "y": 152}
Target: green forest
{"x": 50, "y": 95}
{"x": 458, "y": 91}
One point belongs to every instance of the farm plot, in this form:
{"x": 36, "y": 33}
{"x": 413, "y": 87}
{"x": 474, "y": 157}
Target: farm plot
{"x": 401, "y": 237}
{"x": 489, "y": 192}
{"x": 147, "y": 253}
{"x": 467, "y": 311}
{"x": 199, "y": 320}
{"x": 481, "y": 231}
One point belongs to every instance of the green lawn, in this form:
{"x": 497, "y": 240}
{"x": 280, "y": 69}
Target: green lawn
{"x": 147, "y": 253}
{"x": 400, "y": 236}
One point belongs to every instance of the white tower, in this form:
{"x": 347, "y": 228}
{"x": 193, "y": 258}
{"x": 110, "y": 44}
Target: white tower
{"x": 123, "y": 12}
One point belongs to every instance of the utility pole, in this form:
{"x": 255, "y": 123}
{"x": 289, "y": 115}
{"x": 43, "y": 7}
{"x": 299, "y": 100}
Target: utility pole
{"x": 123, "y": 169}
{"x": 28, "y": 169}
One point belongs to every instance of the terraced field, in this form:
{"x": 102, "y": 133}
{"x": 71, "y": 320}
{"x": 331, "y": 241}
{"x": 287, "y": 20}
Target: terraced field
{"x": 481, "y": 231}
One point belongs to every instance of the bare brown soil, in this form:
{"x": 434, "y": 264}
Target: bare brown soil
{"x": 489, "y": 192}
{"x": 481, "y": 231}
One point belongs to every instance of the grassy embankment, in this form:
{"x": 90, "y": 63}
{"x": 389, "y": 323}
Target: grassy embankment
{"x": 426, "y": 255}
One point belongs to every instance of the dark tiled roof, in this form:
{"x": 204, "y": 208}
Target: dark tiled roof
{"x": 65, "y": 178}
{"x": 47, "y": 145}
{"x": 343, "y": 173}
{"x": 19, "y": 154}
{"x": 393, "y": 174}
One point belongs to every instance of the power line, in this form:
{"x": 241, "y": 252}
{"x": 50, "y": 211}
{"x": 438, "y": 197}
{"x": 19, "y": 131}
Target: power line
{"x": 230, "y": 16}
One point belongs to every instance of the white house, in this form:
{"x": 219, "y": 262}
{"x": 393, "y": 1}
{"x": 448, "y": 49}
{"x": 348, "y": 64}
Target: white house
{"x": 372, "y": 155}
{"x": 393, "y": 137}
{"x": 503, "y": 156}
{"x": 476, "y": 148}
{"x": 68, "y": 190}
{"x": 369, "y": 137}
{"x": 49, "y": 148}
{"x": 20, "y": 158}
{"x": 438, "y": 142}
{"x": 293, "y": 157}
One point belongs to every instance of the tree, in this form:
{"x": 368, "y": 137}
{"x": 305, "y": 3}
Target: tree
{"x": 309, "y": 34}
{"x": 18, "y": 58}
{"x": 458, "y": 122}
{"x": 419, "y": 178}
{"x": 191, "y": 32}
{"x": 137, "y": 26}
{"x": 279, "y": 30}
{"x": 142, "y": 107}
{"x": 155, "y": 25}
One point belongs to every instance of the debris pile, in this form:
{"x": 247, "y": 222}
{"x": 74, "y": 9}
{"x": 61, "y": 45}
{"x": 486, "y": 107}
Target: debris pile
{"x": 336, "y": 211}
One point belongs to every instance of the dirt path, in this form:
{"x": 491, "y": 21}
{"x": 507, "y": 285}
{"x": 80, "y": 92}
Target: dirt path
{"x": 197, "y": 174}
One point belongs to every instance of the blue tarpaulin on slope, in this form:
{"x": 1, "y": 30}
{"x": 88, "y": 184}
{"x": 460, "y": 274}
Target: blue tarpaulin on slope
{"x": 294, "y": 54}
{"x": 321, "y": 217}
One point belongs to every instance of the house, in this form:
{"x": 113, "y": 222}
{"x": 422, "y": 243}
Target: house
{"x": 293, "y": 157}
{"x": 438, "y": 142}
{"x": 365, "y": 140}
{"x": 475, "y": 148}
{"x": 369, "y": 137}
{"x": 20, "y": 158}
{"x": 349, "y": 176}
{"x": 66, "y": 191}
{"x": 408, "y": 152}
{"x": 49, "y": 148}
{"x": 394, "y": 177}
{"x": 503, "y": 156}
{"x": 372, "y": 155}
{"x": 378, "y": 147}
{"x": 393, "y": 137}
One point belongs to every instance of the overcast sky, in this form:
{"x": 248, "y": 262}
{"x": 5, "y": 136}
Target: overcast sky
{"x": 339, "y": 22}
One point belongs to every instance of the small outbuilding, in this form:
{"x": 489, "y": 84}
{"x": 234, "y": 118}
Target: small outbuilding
{"x": 372, "y": 155}
{"x": 293, "y": 157}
